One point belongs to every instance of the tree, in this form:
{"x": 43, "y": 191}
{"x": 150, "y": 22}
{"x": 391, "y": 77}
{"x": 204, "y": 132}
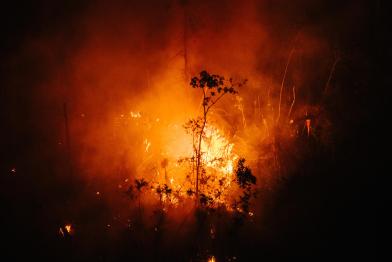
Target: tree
{"x": 214, "y": 88}
{"x": 139, "y": 185}
{"x": 245, "y": 179}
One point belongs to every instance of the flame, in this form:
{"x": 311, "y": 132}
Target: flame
{"x": 135, "y": 114}
{"x": 172, "y": 160}
{"x": 218, "y": 149}
{"x": 218, "y": 159}
{"x": 212, "y": 259}
{"x": 68, "y": 227}
{"x": 66, "y": 230}
{"x": 307, "y": 124}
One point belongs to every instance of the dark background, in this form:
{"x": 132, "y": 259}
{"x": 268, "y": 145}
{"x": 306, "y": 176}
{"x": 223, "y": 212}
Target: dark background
{"x": 328, "y": 210}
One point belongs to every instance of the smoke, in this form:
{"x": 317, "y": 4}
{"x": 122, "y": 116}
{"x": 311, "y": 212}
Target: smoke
{"x": 106, "y": 61}
{"x": 118, "y": 73}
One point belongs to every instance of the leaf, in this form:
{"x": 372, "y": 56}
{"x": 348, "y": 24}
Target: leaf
{"x": 244, "y": 174}
{"x": 140, "y": 183}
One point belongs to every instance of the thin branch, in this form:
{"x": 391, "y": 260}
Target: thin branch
{"x": 185, "y": 43}
{"x": 265, "y": 123}
{"x": 292, "y": 103}
{"x": 337, "y": 59}
{"x": 243, "y": 117}
{"x": 214, "y": 102}
{"x": 282, "y": 84}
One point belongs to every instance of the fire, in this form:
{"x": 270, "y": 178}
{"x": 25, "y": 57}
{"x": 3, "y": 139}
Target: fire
{"x": 218, "y": 151}
{"x": 135, "y": 114}
{"x": 66, "y": 230}
{"x": 147, "y": 144}
{"x": 212, "y": 259}
{"x": 171, "y": 143}
{"x": 68, "y": 227}
{"x": 218, "y": 159}
{"x": 308, "y": 127}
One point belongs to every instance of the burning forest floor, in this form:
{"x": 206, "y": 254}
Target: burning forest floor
{"x": 312, "y": 210}
{"x": 174, "y": 131}
{"x": 315, "y": 213}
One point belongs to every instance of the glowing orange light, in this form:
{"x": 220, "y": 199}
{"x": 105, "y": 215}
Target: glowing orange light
{"x": 68, "y": 227}
{"x": 135, "y": 114}
{"x": 212, "y": 259}
{"x": 66, "y": 230}
{"x": 217, "y": 147}
{"x": 147, "y": 144}
{"x": 307, "y": 123}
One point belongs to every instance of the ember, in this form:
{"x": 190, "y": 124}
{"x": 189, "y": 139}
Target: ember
{"x": 68, "y": 228}
{"x": 212, "y": 259}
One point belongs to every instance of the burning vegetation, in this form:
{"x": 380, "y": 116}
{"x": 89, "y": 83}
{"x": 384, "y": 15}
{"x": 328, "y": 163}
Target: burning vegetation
{"x": 210, "y": 173}
{"x": 179, "y": 130}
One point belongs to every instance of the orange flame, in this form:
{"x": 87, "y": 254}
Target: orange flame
{"x": 308, "y": 127}
{"x": 68, "y": 227}
{"x": 212, "y": 259}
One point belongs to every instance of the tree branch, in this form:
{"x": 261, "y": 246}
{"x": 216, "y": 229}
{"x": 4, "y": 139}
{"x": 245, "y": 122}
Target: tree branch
{"x": 214, "y": 102}
{"x": 292, "y": 103}
{"x": 282, "y": 84}
{"x": 337, "y": 59}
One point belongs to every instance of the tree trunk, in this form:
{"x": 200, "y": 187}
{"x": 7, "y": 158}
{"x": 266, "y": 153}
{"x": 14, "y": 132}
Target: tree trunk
{"x": 198, "y": 156}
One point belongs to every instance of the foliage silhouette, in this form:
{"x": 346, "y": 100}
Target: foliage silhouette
{"x": 214, "y": 88}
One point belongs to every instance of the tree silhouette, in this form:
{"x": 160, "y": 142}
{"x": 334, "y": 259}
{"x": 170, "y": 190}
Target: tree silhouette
{"x": 139, "y": 185}
{"x": 214, "y": 88}
{"x": 245, "y": 180}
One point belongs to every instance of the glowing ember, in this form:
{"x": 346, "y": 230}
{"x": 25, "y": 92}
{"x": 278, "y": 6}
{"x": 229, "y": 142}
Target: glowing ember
{"x": 68, "y": 227}
{"x": 307, "y": 124}
{"x": 212, "y": 259}
{"x": 66, "y": 230}
{"x": 135, "y": 114}
{"x": 147, "y": 144}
